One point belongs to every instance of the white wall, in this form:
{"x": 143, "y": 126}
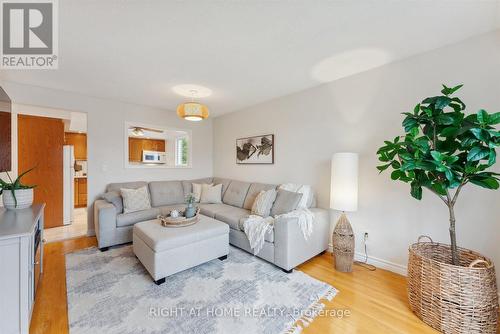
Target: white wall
{"x": 105, "y": 143}
{"x": 356, "y": 114}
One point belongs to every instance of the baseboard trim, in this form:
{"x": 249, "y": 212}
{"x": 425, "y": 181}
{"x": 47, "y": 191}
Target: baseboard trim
{"x": 379, "y": 263}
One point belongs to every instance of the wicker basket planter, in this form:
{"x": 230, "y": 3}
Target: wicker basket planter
{"x": 452, "y": 299}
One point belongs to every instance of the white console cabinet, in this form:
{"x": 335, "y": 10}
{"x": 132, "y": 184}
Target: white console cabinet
{"x": 21, "y": 256}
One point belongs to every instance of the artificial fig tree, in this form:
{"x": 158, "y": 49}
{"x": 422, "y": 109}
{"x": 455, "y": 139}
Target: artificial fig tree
{"x": 442, "y": 150}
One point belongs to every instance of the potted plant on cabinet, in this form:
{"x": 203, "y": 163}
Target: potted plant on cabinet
{"x": 443, "y": 150}
{"x": 16, "y": 195}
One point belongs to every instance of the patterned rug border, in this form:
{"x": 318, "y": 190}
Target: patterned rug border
{"x": 314, "y": 309}
{"x": 295, "y": 326}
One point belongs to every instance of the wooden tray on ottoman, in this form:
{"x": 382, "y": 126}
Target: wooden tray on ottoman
{"x": 168, "y": 221}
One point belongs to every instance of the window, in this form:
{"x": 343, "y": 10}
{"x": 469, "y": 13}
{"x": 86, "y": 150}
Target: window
{"x": 153, "y": 146}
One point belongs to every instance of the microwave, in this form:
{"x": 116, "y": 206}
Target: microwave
{"x": 154, "y": 157}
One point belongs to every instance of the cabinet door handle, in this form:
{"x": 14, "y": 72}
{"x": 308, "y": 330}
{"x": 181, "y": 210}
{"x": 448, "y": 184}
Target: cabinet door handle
{"x": 36, "y": 263}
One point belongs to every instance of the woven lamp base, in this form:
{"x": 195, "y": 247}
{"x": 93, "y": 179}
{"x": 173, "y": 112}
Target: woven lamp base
{"x": 343, "y": 245}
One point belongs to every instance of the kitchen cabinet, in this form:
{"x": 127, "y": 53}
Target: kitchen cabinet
{"x": 80, "y": 192}
{"x": 79, "y": 141}
{"x": 137, "y": 145}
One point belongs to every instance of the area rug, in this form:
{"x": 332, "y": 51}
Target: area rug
{"x": 111, "y": 292}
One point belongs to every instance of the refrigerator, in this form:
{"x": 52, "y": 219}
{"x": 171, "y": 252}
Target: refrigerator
{"x": 68, "y": 183}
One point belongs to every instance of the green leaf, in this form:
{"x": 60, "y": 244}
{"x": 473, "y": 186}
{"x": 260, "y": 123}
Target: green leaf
{"x": 449, "y": 174}
{"x": 480, "y": 134}
{"x": 494, "y": 118}
{"x": 427, "y": 111}
{"x": 428, "y": 166}
{"x": 430, "y": 100}
{"x": 416, "y": 190}
{"x": 444, "y": 119}
{"x": 485, "y": 182}
{"x": 493, "y": 157}
{"x": 383, "y": 167}
{"x": 395, "y": 164}
{"x": 438, "y": 156}
{"x": 416, "y": 109}
{"x": 396, "y": 174}
{"x": 450, "y": 131}
{"x": 494, "y": 133}
{"x": 442, "y": 102}
{"x": 450, "y": 91}
{"x": 410, "y": 165}
{"x": 482, "y": 116}
{"x": 409, "y": 123}
{"x": 439, "y": 188}
{"x": 477, "y": 153}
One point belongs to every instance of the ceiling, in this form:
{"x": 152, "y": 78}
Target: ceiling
{"x": 245, "y": 52}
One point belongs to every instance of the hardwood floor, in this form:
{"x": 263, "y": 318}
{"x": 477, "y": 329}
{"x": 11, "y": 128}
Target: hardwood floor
{"x": 376, "y": 300}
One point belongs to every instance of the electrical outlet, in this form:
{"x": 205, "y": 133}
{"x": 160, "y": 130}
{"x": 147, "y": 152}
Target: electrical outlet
{"x": 365, "y": 237}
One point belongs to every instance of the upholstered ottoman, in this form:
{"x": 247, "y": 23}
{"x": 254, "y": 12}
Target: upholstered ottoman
{"x": 165, "y": 251}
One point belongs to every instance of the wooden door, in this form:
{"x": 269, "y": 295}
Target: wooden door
{"x": 76, "y": 194}
{"x": 5, "y": 144}
{"x": 134, "y": 150}
{"x": 82, "y": 192}
{"x": 40, "y": 144}
{"x": 79, "y": 141}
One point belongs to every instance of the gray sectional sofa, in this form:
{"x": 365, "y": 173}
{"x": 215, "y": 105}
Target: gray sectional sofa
{"x": 284, "y": 246}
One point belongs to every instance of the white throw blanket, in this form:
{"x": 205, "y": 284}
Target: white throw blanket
{"x": 256, "y": 227}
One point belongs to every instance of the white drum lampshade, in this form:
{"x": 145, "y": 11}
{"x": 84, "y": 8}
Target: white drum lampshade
{"x": 344, "y": 197}
{"x": 344, "y": 184}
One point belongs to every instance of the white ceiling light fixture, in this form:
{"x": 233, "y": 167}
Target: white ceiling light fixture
{"x": 186, "y": 90}
{"x": 192, "y": 111}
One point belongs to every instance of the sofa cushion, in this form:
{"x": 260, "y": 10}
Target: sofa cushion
{"x": 187, "y": 185}
{"x": 127, "y": 219}
{"x": 225, "y": 183}
{"x": 166, "y": 193}
{"x": 126, "y": 185}
{"x": 236, "y": 193}
{"x": 115, "y": 198}
{"x": 165, "y": 210}
{"x": 211, "y": 194}
{"x": 253, "y": 191}
{"x": 135, "y": 199}
{"x": 285, "y": 202}
{"x": 307, "y": 199}
{"x": 211, "y": 209}
{"x": 232, "y": 216}
{"x": 264, "y": 202}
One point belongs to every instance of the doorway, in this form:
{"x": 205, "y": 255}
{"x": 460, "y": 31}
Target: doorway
{"x": 56, "y": 145}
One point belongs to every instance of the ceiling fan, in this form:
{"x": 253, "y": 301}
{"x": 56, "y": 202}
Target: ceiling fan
{"x": 139, "y": 131}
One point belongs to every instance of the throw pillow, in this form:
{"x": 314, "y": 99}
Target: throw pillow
{"x": 263, "y": 203}
{"x": 211, "y": 194}
{"x": 135, "y": 199}
{"x": 307, "y": 199}
{"x": 285, "y": 202}
{"x": 197, "y": 191}
{"x": 114, "y": 198}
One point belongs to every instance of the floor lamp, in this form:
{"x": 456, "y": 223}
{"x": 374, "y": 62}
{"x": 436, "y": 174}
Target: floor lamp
{"x": 344, "y": 197}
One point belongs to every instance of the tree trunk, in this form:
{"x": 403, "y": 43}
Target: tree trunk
{"x": 453, "y": 237}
